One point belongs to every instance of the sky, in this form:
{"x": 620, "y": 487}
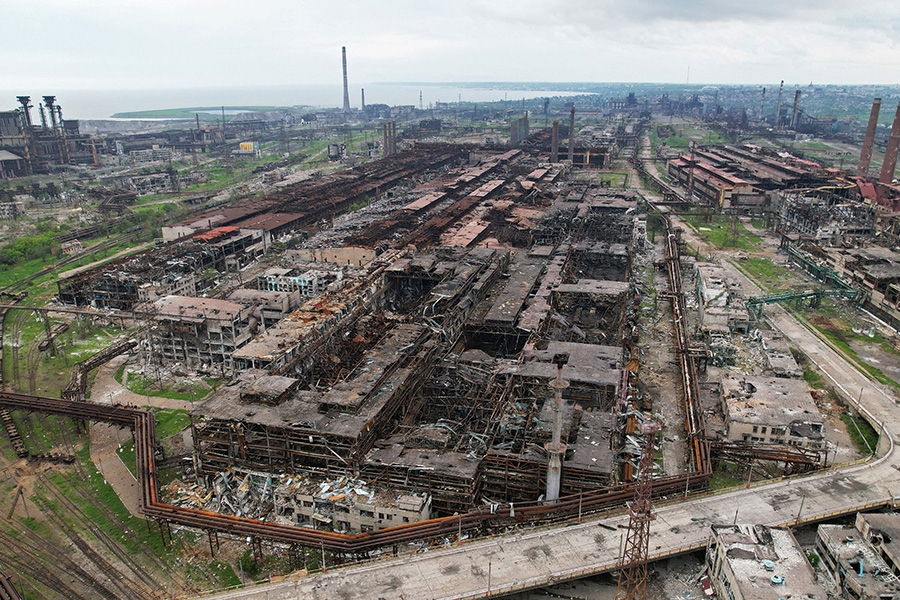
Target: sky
{"x": 142, "y": 44}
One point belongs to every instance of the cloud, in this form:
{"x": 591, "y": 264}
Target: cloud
{"x": 171, "y": 43}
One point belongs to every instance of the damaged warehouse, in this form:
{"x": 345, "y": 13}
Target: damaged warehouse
{"x": 421, "y": 386}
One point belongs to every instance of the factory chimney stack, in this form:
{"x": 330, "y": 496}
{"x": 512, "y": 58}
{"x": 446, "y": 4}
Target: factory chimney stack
{"x": 572, "y": 135}
{"x": 796, "y": 112}
{"x": 346, "y": 88}
{"x": 865, "y": 156}
{"x": 890, "y": 154}
{"x": 761, "y": 103}
{"x": 554, "y": 144}
{"x": 778, "y": 107}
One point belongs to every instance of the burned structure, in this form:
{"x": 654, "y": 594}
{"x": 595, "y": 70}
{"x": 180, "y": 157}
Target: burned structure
{"x": 742, "y": 177}
{"x": 772, "y": 411}
{"x": 428, "y": 374}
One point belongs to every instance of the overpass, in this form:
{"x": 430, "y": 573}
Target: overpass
{"x": 523, "y": 560}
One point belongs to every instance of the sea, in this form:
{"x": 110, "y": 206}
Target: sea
{"x": 102, "y": 104}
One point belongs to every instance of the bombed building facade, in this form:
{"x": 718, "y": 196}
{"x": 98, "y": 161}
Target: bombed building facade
{"x": 406, "y": 359}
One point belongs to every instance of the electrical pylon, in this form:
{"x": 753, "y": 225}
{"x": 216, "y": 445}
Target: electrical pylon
{"x": 633, "y": 564}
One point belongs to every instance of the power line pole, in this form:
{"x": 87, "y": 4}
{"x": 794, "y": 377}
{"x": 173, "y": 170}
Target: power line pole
{"x": 633, "y": 565}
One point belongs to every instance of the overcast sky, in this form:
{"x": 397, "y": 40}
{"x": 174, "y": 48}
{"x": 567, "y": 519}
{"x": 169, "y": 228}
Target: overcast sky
{"x": 116, "y": 44}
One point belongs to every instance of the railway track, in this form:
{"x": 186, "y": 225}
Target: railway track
{"x": 125, "y": 586}
{"x": 15, "y": 293}
{"x": 146, "y": 579}
{"x": 29, "y": 552}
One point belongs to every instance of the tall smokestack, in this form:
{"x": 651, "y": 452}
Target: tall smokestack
{"x": 363, "y": 92}
{"x": 796, "y": 112}
{"x": 865, "y": 157}
{"x": 761, "y": 103}
{"x": 346, "y": 88}
{"x": 890, "y": 155}
{"x": 778, "y": 107}
{"x": 572, "y": 135}
{"x": 554, "y": 147}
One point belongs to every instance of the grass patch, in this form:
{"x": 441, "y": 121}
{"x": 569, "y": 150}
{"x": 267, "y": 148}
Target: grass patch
{"x": 723, "y": 232}
{"x": 145, "y": 386}
{"x": 168, "y": 422}
{"x": 812, "y": 378}
{"x": 171, "y": 421}
{"x": 724, "y": 476}
{"x": 129, "y": 456}
{"x": 225, "y": 574}
{"x": 771, "y": 276}
{"x": 864, "y": 436}
{"x": 136, "y": 529}
{"x": 840, "y": 338}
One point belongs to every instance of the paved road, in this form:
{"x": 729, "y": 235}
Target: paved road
{"x": 105, "y": 439}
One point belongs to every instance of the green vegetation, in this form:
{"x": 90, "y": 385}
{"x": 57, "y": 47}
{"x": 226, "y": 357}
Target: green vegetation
{"x": 840, "y": 335}
{"x": 684, "y": 135}
{"x": 812, "y": 378}
{"x": 171, "y": 421}
{"x": 182, "y": 390}
{"x": 723, "y": 232}
{"x": 249, "y": 565}
{"x": 270, "y": 563}
{"x": 137, "y": 528}
{"x": 227, "y": 577}
{"x": 51, "y": 373}
{"x": 168, "y": 422}
{"x": 27, "y": 248}
{"x": 813, "y": 559}
{"x": 774, "y": 278}
{"x": 864, "y": 437}
{"x": 724, "y": 476}
{"x": 129, "y": 456}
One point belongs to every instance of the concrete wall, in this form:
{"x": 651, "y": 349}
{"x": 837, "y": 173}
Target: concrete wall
{"x": 355, "y": 257}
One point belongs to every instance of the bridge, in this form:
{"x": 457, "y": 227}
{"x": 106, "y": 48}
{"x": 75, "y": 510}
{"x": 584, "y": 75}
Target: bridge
{"x": 755, "y": 303}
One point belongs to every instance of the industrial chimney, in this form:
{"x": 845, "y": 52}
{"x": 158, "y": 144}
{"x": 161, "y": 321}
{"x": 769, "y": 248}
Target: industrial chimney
{"x": 554, "y": 143}
{"x": 761, "y": 103}
{"x": 890, "y": 154}
{"x": 346, "y": 88}
{"x": 865, "y": 156}
{"x": 796, "y": 112}
{"x": 572, "y": 136}
{"x": 778, "y": 107}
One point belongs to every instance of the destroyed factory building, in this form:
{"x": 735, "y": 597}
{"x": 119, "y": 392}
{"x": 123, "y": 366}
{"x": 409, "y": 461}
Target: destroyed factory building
{"x": 399, "y": 368}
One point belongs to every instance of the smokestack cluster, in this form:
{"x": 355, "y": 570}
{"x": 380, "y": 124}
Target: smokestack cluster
{"x": 865, "y": 156}
{"x": 390, "y": 138}
{"x": 346, "y": 88}
{"x": 890, "y": 154}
